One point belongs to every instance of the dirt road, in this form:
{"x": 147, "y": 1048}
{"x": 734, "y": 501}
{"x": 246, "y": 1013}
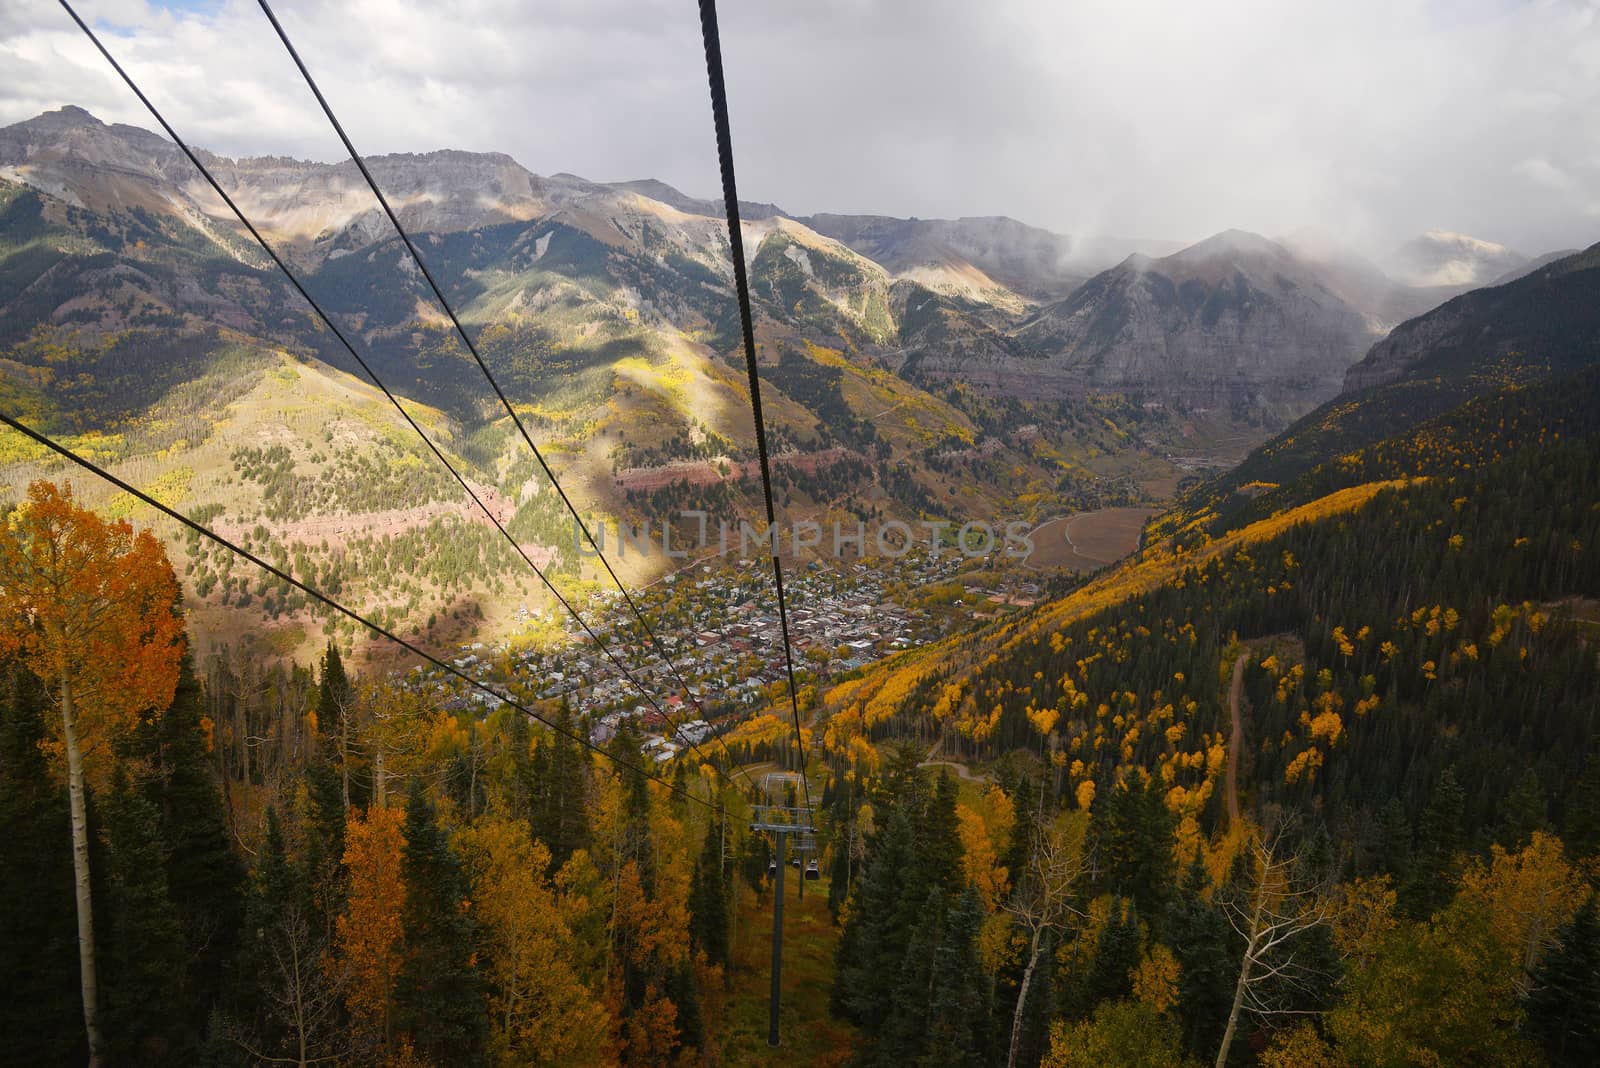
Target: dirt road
{"x": 1235, "y": 738}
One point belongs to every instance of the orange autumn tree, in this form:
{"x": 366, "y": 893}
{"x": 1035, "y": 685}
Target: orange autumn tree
{"x": 91, "y": 608}
{"x": 543, "y": 1011}
{"x": 985, "y": 833}
{"x": 370, "y": 929}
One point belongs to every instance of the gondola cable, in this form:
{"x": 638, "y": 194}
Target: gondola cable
{"x": 327, "y": 320}
{"x": 310, "y": 591}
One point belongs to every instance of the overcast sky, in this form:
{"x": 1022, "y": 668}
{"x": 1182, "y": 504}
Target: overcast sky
{"x": 1372, "y": 120}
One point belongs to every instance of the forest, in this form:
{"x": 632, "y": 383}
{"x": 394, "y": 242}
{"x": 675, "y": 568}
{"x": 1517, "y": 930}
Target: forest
{"x": 1316, "y": 782}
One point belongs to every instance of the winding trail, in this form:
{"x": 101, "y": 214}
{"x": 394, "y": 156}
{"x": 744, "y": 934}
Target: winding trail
{"x": 962, "y": 771}
{"x": 1235, "y": 738}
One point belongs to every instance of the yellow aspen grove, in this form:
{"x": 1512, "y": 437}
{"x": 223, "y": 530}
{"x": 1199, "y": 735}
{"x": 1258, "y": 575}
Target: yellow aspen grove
{"x": 91, "y": 608}
{"x": 370, "y": 931}
{"x": 542, "y": 1011}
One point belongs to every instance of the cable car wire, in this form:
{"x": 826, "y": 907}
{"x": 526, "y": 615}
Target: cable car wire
{"x": 449, "y": 310}
{"x": 730, "y": 197}
{"x": 283, "y": 576}
{"x": 327, "y": 320}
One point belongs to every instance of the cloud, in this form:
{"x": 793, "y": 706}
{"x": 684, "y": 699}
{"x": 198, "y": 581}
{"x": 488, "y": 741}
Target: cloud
{"x": 1375, "y": 119}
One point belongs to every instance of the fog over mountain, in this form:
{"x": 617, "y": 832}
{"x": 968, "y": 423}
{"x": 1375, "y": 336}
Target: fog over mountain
{"x": 1147, "y": 120}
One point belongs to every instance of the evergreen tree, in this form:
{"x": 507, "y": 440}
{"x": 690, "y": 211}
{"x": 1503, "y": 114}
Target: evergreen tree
{"x": 1564, "y": 1005}
{"x": 1134, "y": 828}
{"x": 1394, "y": 841}
{"x": 205, "y": 879}
{"x": 38, "y": 950}
{"x": 336, "y": 711}
{"x": 708, "y": 900}
{"x": 325, "y": 842}
{"x": 273, "y": 894}
{"x": 335, "y": 693}
{"x": 146, "y": 1024}
{"x": 1524, "y": 812}
{"x": 634, "y": 843}
{"x": 939, "y": 838}
{"x": 1583, "y": 807}
{"x": 289, "y": 1000}
{"x": 1200, "y": 938}
{"x": 962, "y": 998}
{"x": 902, "y": 1037}
{"x": 439, "y": 996}
{"x": 560, "y": 790}
{"x": 1433, "y": 877}
{"x": 755, "y": 856}
{"x": 1116, "y": 955}
{"x": 873, "y": 942}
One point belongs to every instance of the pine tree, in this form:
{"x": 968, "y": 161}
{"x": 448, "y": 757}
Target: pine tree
{"x": 1524, "y": 812}
{"x": 962, "y": 996}
{"x": 145, "y": 1023}
{"x": 439, "y": 997}
{"x": 1201, "y": 939}
{"x": 708, "y": 900}
{"x": 205, "y": 879}
{"x": 1433, "y": 877}
{"x": 1564, "y": 1004}
{"x": 38, "y": 950}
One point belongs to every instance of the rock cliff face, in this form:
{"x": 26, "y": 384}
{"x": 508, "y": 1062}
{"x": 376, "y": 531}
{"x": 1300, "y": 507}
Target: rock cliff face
{"x": 1235, "y": 319}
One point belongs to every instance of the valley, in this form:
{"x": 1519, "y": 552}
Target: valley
{"x": 913, "y": 385}
{"x": 1277, "y": 745}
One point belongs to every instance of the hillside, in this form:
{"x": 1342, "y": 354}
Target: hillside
{"x": 1371, "y": 713}
{"x": 1476, "y": 532}
{"x": 1542, "y": 326}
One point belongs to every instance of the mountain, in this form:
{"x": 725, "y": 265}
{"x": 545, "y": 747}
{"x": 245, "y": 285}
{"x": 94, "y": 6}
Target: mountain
{"x": 1488, "y": 347}
{"x": 1396, "y": 592}
{"x": 1548, "y": 315}
{"x": 1533, "y": 265}
{"x": 138, "y": 322}
{"x": 1234, "y": 321}
{"x": 1443, "y": 258}
{"x": 978, "y": 257}
{"x": 749, "y": 210}
{"x": 1362, "y": 284}
{"x": 902, "y": 353}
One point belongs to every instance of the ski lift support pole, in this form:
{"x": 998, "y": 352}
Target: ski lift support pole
{"x": 782, "y": 821}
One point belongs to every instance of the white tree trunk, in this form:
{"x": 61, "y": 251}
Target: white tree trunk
{"x": 87, "y": 979}
{"x": 1022, "y": 998}
{"x": 1239, "y": 988}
